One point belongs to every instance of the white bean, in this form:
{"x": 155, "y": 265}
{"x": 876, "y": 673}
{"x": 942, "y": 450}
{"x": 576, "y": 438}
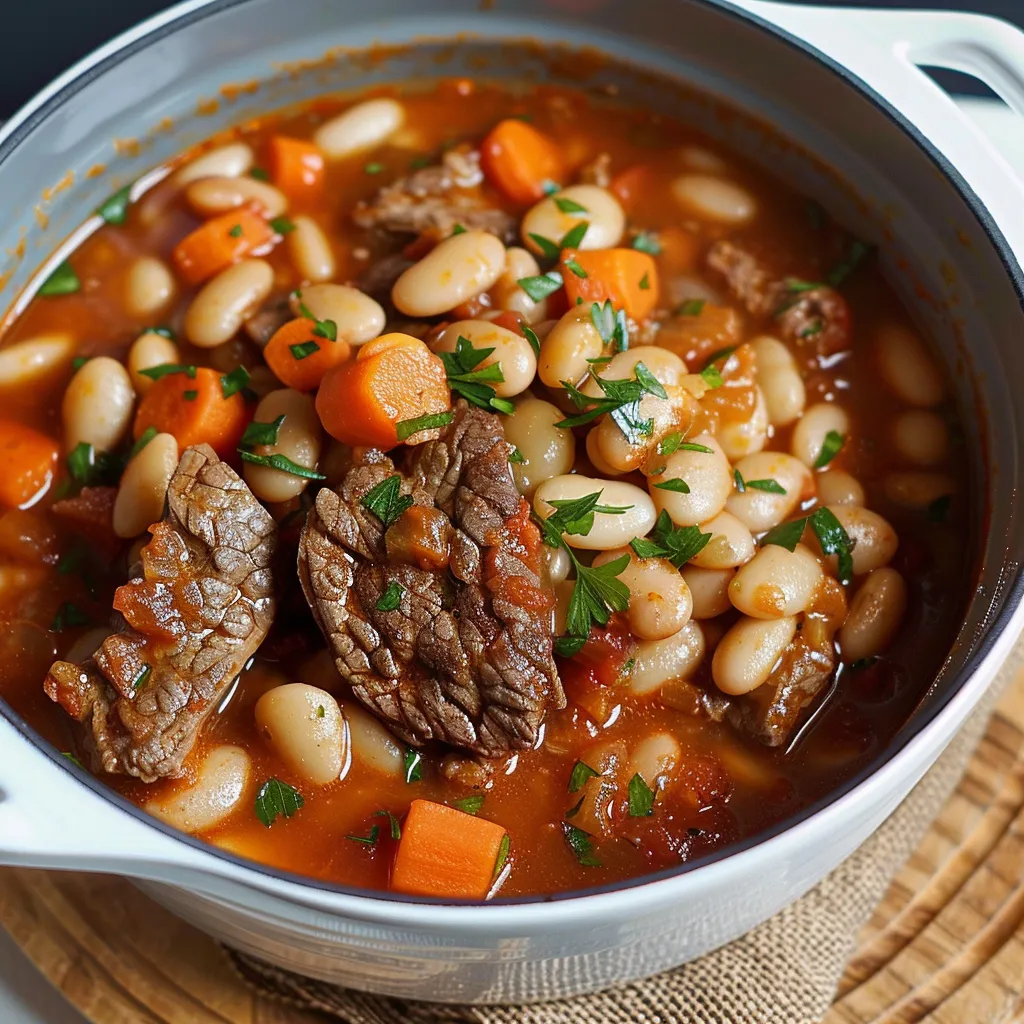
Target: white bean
{"x": 666, "y": 366}
{"x": 372, "y": 745}
{"x": 210, "y": 196}
{"x": 604, "y": 217}
{"x": 875, "y": 615}
{"x": 593, "y": 448}
{"x": 216, "y": 791}
{"x": 149, "y": 350}
{"x": 558, "y": 564}
{"x": 762, "y": 510}
{"x": 739, "y": 439}
{"x": 310, "y": 250}
{"x": 567, "y": 347}
{"x": 512, "y": 352}
{"x": 654, "y": 758}
{"x": 228, "y": 161}
{"x": 609, "y": 530}
{"x": 917, "y": 489}
{"x": 714, "y": 198}
{"x": 780, "y": 380}
{"x": 299, "y": 438}
{"x": 776, "y": 583}
{"x": 358, "y": 317}
{"x": 700, "y": 159}
{"x": 359, "y": 128}
{"x": 748, "y": 652}
{"x": 659, "y": 599}
{"x": 149, "y": 287}
{"x": 508, "y": 293}
{"x": 452, "y": 272}
{"x": 874, "y": 540}
{"x": 812, "y": 428}
{"x": 97, "y": 407}
{"x": 307, "y": 729}
{"x": 546, "y": 450}
{"x": 907, "y": 367}
{"x": 143, "y": 488}
{"x": 921, "y": 437}
{"x": 32, "y": 358}
{"x": 838, "y": 488}
{"x": 227, "y": 301}
{"x": 709, "y": 590}
{"x": 624, "y": 453}
{"x": 731, "y": 543}
{"x": 662, "y": 661}
{"x": 706, "y": 473}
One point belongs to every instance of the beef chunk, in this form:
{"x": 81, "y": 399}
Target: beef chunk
{"x": 817, "y": 318}
{"x": 203, "y": 605}
{"x": 771, "y": 712}
{"x": 436, "y": 199}
{"x": 466, "y": 656}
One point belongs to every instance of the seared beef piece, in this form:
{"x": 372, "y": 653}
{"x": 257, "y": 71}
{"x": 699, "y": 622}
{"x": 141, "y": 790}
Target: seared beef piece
{"x": 379, "y": 278}
{"x": 466, "y": 657}
{"x": 771, "y": 712}
{"x": 437, "y": 199}
{"x": 818, "y": 318}
{"x": 186, "y": 629}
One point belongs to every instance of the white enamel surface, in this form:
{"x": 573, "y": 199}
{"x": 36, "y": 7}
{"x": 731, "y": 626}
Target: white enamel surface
{"x": 529, "y": 951}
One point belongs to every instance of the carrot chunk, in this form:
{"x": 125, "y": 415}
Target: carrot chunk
{"x": 300, "y": 358}
{"x": 520, "y": 161}
{"x": 29, "y": 461}
{"x": 627, "y": 277}
{"x": 296, "y": 167}
{"x": 445, "y": 852}
{"x": 220, "y": 242}
{"x": 393, "y": 378}
{"x": 194, "y": 410}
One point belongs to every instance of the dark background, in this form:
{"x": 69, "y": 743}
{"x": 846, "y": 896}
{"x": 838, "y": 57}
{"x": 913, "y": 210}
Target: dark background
{"x": 43, "y": 37}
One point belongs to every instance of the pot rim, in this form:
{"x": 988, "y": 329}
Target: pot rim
{"x": 960, "y": 694}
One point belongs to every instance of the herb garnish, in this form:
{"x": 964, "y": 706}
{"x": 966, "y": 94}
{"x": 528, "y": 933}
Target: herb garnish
{"x": 144, "y": 438}
{"x": 712, "y": 376}
{"x": 190, "y": 396}
{"x": 236, "y": 231}
{"x": 142, "y": 678}
{"x": 675, "y": 484}
{"x": 276, "y": 798}
{"x": 259, "y": 174}
{"x": 282, "y": 225}
{"x": 165, "y": 369}
{"x": 831, "y": 535}
{"x": 646, "y": 241}
{"x": 676, "y": 543}
{"x": 621, "y": 400}
{"x": 261, "y": 433}
{"x": 367, "y": 840}
{"x": 459, "y": 229}
{"x": 641, "y": 798}
{"x": 235, "y": 381}
{"x": 531, "y": 336}
{"x": 645, "y": 283}
{"x": 580, "y": 773}
{"x": 542, "y": 285}
{"x": 386, "y": 500}
{"x": 321, "y": 328}
{"x": 115, "y": 209}
{"x": 567, "y": 205}
{"x": 281, "y": 462}
{"x": 769, "y": 485}
{"x": 303, "y": 350}
{"x": 834, "y": 441}
{"x": 502, "y": 859}
{"x": 406, "y": 428}
{"x": 374, "y": 167}
{"x": 396, "y": 829}
{"x": 413, "y": 765}
{"x": 90, "y": 468}
{"x": 670, "y": 443}
{"x": 71, "y": 757}
{"x": 516, "y": 456}
{"x": 611, "y": 325}
{"x": 581, "y": 844}
{"x": 391, "y": 598}
{"x": 569, "y": 646}
{"x": 473, "y": 384}
{"x": 63, "y": 281}
{"x": 574, "y": 266}
{"x": 691, "y": 307}
{"x": 469, "y": 804}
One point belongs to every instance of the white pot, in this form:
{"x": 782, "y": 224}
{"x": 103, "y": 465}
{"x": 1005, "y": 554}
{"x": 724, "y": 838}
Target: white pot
{"x": 841, "y": 85}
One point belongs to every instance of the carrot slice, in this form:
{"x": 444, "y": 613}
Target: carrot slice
{"x": 628, "y": 277}
{"x": 29, "y": 461}
{"x": 194, "y": 410}
{"x": 220, "y": 242}
{"x": 296, "y": 167}
{"x": 393, "y": 378}
{"x": 521, "y": 161}
{"x": 300, "y": 358}
{"x": 445, "y": 852}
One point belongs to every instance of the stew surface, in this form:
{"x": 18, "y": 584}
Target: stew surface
{"x": 755, "y": 565}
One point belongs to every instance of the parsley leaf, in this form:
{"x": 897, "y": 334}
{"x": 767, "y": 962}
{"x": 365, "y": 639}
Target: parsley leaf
{"x": 469, "y": 804}
{"x": 786, "y": 535}
{"x": 641, "y": 798}
{"x": 283, "y": 463}
{"x": 575, "y": 516}
{"x": 531, "y": 336}
{"x": 675, "y": 484}
{"x": 367, "y": 840}
{"x": 144, "y": 438}
{"x": 581, "y": 844}
{"x": 548, "y": 249}
{"x": 276, "y": 798}
{"x": 261, "y": 433}
{"x": 502, "y": 859}
{"x": 670, "y": 443}
{"x": 430, "y": 421}
{"x": 691, "y": 307}
{"x": 396, "y": 829}
{"x": 391, "y": 598}
{"x": 712, "y": 376}
{"x": 834, "y": 441}
{"x": 645, "y": 283}
{"x": 282, "y": 225}
{"x": 573, "y": 238}
{"x": 769, "y": 485}
{"x": 413, "y": 765}
{"x": 321, "y": 328}
{"x": 677, "y": 544}
{"x": 90, "y": 468}
{"x": 574, "y": 266}
{"x": 741, "y": 484}
{"x": 236, "y": 231}
{"x": 569, "y": 646}
{"x": 855, "y": 256}
{"x": 386, "y": 500}
{"x": 567, "y": 205}
{"x": 542, "y": 285}
{"x": 235, "y": 381}
{"x": 597, "y": 592}
{"x": 115, "y": 209}
{"x": 467, "y": 378}
{"x": 621, "y": 399}
{"x": 165, "y": 369}
{"x": 516, "y": 456}
{"x": 580, "y": 773}
{"x": 831, "y": 535}
{"x": 63, "y": 281}
{"x": 722, "y": 353}
{"x": 646, "y": 241}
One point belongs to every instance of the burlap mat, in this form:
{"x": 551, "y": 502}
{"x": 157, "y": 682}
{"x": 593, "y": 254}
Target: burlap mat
{"x": 783, "y": 972}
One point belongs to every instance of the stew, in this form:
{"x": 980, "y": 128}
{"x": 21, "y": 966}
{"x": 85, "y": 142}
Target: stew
{"x": 459, "y": 491}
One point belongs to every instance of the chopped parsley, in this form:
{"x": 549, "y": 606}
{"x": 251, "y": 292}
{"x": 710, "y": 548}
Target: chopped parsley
{"x": 574, "y": 266}
{"x": 259, "y": 174}
{"x": 834, "y": 441}
{"x": 469, "y": 804}
{"x": 236, "y": 231}
{"x": 142, "y": 678}
{"x": 470, "y": 380}
{"x": 165, "y": 369}
{"x": 676, "y": 543}
{"x": 368, "y": 840}
{"x": 261, "y": 433}
{"x": 641, "y": 798}
{"x": 190, "y": 396}
{"x": 502, "y": 859}
{"x": 675, "y": 484}
{"x": 115, "y": 209}
{"x": 645, "y": 283}
{"x": 581, "y": 772}
{"x": 857, "y": 252}
{"x": 321, "y": 328}
{"x": 413, "y": 765}
{"x": 459, "y": 229}
{"x": 63, "y": 281}
{"x": 406, "y": 428}
{"x": 567, "y": 205}
{"x": 303, "y": 350}
{"x": 393, "y": 825}
{"x": 235, "y": 381}
{"x": 722, "y": 353}
{"x": 144, "y": 438}
{"x": 71, "y": 757}
{"x": 831, "y": 535}
{"x": 281, "y": 462}
{"x": 516, "y": 456}
{"x": 569, "y": 646}
{"x": 90, "y": 468}
{"x": 712, "y": 376}
{"x": 391, "y": 598}
{"x": 277, "y": 798}
{"x": 670, "y": 443}
{"x": 769, "y": 485}
{"x": 581, "y": 845}
{"x": 542, "y": 285}
{"x": 386, "y": 501}
{"x": 531, "y": 336}
{"x": 691, "y": 307}
{"x": 621, "y": 400}
{"x": 374, "y": 167}
{"x": 611, "y": 325}
{"x": 282, "y": 225}
{"x": 646, "y": 241}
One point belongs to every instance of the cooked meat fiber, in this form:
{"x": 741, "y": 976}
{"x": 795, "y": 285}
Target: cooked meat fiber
{"x": 437, "y": 199}
{"x": 466, "y": 656}
{"x": 203, "y": 605}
